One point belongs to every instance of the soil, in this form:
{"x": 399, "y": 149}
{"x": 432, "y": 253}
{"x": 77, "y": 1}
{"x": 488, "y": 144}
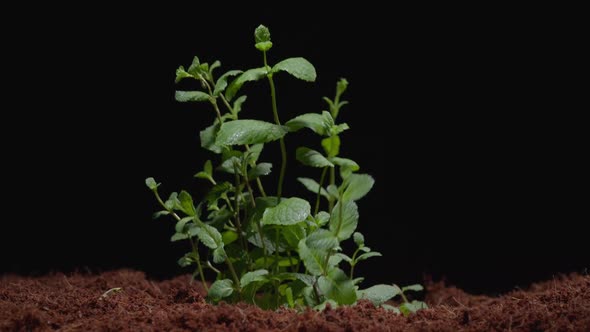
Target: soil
{"x": 81, "y": 302}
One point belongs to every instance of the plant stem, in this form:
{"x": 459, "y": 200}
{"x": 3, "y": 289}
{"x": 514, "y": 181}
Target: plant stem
{"x": 195, "y": 248}
{"x": 273, "y": 96}
{"x": 212, "y": 99}
{"x": 317, "y": 200}
{"x": 353, "y": 263}
{"x": 237, "y": 211}
{"x": 332, "y": 182}
{"x": 230, "y": 265}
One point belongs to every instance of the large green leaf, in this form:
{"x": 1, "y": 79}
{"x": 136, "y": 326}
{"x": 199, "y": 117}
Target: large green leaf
{"x": 313, "y": 186}
{"x": 289, "y": 211}
{"x": 186, "y": 96}
{"x": 259, "y": 170}
{"x": 343, "y": 221}
{"x": 313, "y": 259}
{"x": 249, "y": 75}
{"x": 379, "y": 294}
{"x": 250, "y": 277}
{"x": 321, "y": 239}
{"x": 220, "y": 289}
{"x": 338, "y": 287}
{"x": 298, "y": 67}
{"x": 241, "y": 132}
{"x": 358, "y": 186}
{"x": 309, "y": 157}
{"x": 222, "y": 81}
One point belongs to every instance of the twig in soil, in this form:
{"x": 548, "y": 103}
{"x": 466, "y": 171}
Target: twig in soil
{"x": 109, "y": 292}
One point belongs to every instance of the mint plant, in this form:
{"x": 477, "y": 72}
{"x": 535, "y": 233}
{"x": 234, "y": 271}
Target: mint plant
{"x": 265, "y": 249}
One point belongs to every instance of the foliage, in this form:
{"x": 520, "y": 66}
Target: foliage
{"x": 271, "y": 250}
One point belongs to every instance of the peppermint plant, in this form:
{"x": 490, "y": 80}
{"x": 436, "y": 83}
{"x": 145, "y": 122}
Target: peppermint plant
{"x": 264, "y": 247}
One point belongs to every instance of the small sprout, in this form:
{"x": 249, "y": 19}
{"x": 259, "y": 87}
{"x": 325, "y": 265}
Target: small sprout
{"x": 110, "y": 292}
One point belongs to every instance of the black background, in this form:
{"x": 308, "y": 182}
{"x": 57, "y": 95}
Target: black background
{"x": 468, "y": 122}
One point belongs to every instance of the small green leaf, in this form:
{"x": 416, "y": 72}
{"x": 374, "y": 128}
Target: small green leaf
{"x": 254, "y": 153}
{"x": 181, "y": 74}
{"x": 208, "y": 235}
{"x": 344, "y": 228}
{"x": 343, "y": 257}
{"x": 379, "y": 294}
{"x": 250, "y": 277}
{"x": 220, "y": 289}
{"x": 338, "y": 287}
{"x": 368, "y": 255}
{"x": 359, "y": 239}
{"x": 151, "y": 183}
{"x": 221, "y": 83}
{"x": 263, "y": 46}
{"x": 229, "y": 237}
{"x": 331, "y": 145}
{"x": 313, "y": 121}
{"x": 241, "y": 132}
{"x": 322, "y": 218}
{"x": 237, "y": 108}
{"x": 178, "y": 237}
{"x": 411, "y": 307}
{"x": 195, "y": 67}
{"x": 390, "y": 308}
{"x": 413, "y": 288}
{"x": 172, "y": 201}
{"x": 208, "y": 167}
{"x": 202, "y": 175}
{"x": 261, "y": 34}
{"x": 341, "y": 86}
{"x": 179, "y": 227}
{"x": 259, "y": 170}
{"x": 215, "y": 65}
{"x": 186, "y": 96}
{"x": 344, "y": 162}
{"x": 358, "y": 186}
{"x": 186, "y": 203}
{"x": 160, "y": 214}
{"x": 332, "y": 191}
{"x": 186, "y": 260}
{"x": 217, "y": 193}
{"x": 289, "y": 211}
{"x": 312, "y": 158}
{"x": 207, "y": 136}
{"x": 249, "y": 75}
{"x": 313, "y": 186}
{"x": 230, "y": 165}
{"x": 219, "y": 255}
{"x": 298, "y": 67}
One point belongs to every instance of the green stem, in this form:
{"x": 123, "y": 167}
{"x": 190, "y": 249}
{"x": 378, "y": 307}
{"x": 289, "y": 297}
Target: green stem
{"x": 353, "y": 263}
{"x": 230, "y": 265}
{"x": 317, "y": 200}
{"x": 275, "y": 112}
{"x": 195, "y": 248}
{"x": 332, "y": 182}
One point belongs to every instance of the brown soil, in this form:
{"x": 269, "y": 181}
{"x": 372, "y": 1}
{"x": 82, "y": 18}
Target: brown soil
{"x": 76, "y": 303}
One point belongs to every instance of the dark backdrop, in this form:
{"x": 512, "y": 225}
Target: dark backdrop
{"x": 465, "y": 121}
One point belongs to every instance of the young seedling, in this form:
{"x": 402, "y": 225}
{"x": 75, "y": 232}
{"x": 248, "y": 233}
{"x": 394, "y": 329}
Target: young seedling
{"x": 264, "y": 247}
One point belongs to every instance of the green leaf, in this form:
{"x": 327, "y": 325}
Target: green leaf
{"x": 221, "y": 83}
{"x": 237, "y": 108}
{"x": 187, "y": 96}
{"x": 241, "y": 132}
{"x": 254, "y": 153}
{"x": 263, "y": 46}
{"x": 195, "y": 67}
{"x": 331, "y": 145}
{"x": 151, "y": 183}
{"x": 215, "y": 65}
{"x": 181, "y": 74}
{"x": 379, "y": 294}
{"x": 216, "y": 193}
{"x": 208, "y": 235}
{"x": 390, "y": 308}
{"x": 332, "y": 191}
{"x": 208, "y": 167}
{"x": 313, "y": 259}
{"x": 358, "y": 186}
{"x": 344, "y": 162}
{"x": 344, "y": 228}
{"x": 413, "y": 288}
{"x": 261, "y": 34}
{"x": 220, "y": 289}
{"x": 229, "y": 237}
{"x": 186, "y": 260}
{"x": 341, "y": 86}
{"x": 313, "y": 121}
{"x": 298, "y": 67}
{"x": 230, "y": 165}
{"x": 411, "y": 307}
{"x": 321, "y": 239}
{"x": 368, "y": 255}
{"x": 338, "y": 287}
{"x": 250, "y": 277}
{"x": 178, "y": 237}
{"x": 219, "y": 255}
{"x": 313, "y": 186}
{"x": 289, "y": 211}
{"x": 293, "y": 234}
{"x": 186, "y": 203}
{"x": 249, "y": 75}
{"x": 179, "y": 227}
{"x": 309, "y": 157}
{"x": 160, "y": 214}
{"x": 359, "y": 239}
{"x": 322, "y": 218}
{"x": 207, "y": 136}
{"x": 172, "y": 201}
{"x": 259, "y": 170}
